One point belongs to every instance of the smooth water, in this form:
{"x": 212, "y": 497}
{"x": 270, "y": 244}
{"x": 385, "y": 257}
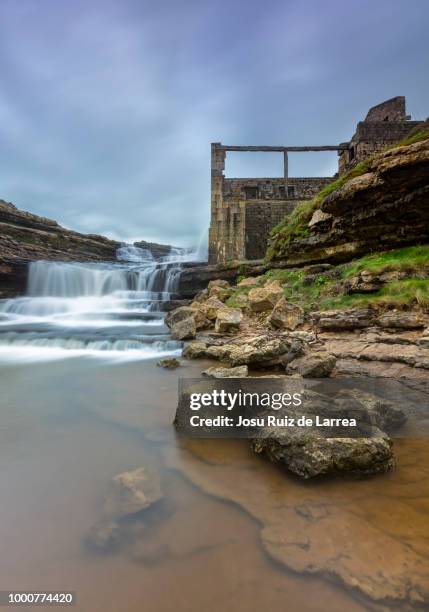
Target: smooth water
{"x": 108, "y": 311}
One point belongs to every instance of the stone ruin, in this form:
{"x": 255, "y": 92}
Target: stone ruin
{"x": 244, "y": 210}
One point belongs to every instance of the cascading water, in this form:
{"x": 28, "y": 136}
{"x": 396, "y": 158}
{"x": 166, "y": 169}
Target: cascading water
{"x": 110, "y": 310}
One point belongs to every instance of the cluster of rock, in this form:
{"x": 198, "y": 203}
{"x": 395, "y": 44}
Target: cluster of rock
{"x": 264, "y": 331}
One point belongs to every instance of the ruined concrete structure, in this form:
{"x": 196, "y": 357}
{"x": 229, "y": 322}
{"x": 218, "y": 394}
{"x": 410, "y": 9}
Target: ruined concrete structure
{"x": 243, "y": 211}
{"x": 384, "y": 125}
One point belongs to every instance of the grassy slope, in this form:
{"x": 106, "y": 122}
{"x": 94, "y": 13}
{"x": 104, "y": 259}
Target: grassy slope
{"x": 323, "y": 291}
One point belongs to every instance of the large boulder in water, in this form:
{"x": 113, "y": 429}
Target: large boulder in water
{"x": 133, "y": 491}
{"x": 181, "y": 323}
{"x": 338, "y": 448}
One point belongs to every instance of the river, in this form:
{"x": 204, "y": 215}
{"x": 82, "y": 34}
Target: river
{"x": 82, "y": 400}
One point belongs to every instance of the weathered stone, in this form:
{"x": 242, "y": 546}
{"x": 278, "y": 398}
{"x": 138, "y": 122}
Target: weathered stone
{"x": 258, "y": 351}
{"x": 383, "y": 413}
{"x": 237, "y": 372}
{"x": 286, "y": 315}
{"x": 218, "y": 282}
{"x": 319, "y": 218}
{"x": 199, "y": 314}
{"x": 211, "y": 308}
{"x": 264, "y": 298}
{"x": 132, "y": 492}
{"x": 184, "y": 330}
{"x": 249, "y": 282}
{"x": 104, "y": 535}
{"x": 314, "y": 365}
{"x": 307, "y": 453}
{"x": 353, "y": 318}
{"x": 177, "y": 315}
{"x": 170, "y": 363}
{"x": 400, "y": 320}
{"x": 195, "y": 350}
{"x": 228, "y": 320}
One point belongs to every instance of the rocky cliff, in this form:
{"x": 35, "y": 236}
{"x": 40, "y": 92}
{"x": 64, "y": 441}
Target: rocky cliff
{"x": 382, "y": 204}
{"x": 25, "y": 237}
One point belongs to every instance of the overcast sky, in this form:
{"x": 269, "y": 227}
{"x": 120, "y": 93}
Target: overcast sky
{"x": 108, "y": 107}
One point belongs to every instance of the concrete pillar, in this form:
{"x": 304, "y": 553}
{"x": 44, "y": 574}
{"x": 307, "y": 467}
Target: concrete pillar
{"x": 286, "y": 165}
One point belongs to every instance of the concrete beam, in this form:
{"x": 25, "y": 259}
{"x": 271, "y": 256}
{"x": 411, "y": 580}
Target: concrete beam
{"x": 269, "y": 149}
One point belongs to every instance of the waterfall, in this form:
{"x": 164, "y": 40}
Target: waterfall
{"x": 107, "y": 310}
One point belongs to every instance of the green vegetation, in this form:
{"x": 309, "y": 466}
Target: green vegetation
{"x": 402, "y": 293}
{"x": 409, "y": 259}
{"x": 328, "y": 291}
{"x": 417, "y": 134}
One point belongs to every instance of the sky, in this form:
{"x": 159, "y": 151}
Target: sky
{"x": 108, "y": 107}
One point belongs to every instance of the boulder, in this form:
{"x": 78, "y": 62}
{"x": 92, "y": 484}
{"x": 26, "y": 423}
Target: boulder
{"x": 170, "y": 363}
{"x": 314, "y": 365}
{"x": 265, "y": 298}
{"x": 400, "y": 320}
{"x": 308, "y": 453}
{"x": 286, "y": 315}
{"x": 228, "y": 320}
{"x": 184, "y": 330}
{"x": 132, "y": 492}
{"x": 351, "y": 318}
{"x": 177, "y": 315}
{"x": 258, "y": 351}
{"x": 181, "y": 323}
{"x": 223, "y": 284}
{"x": 195, "y": 350}
{"x": 238, "y": 372}
{"x": 199, "y": 314}
{"x": 211, "y": 307}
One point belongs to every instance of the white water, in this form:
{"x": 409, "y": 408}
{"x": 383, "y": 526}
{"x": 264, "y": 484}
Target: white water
{"x": 112, "y": 311}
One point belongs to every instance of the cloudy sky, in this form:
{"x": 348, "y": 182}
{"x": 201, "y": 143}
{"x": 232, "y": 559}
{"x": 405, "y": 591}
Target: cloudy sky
{"x": 108, "y": 107}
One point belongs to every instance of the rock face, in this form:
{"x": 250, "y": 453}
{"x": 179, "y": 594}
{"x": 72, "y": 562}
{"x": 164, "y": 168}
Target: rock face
{"x": 400, "y": 320}
{"x": 228, "y": 320}
{"x": 25, "y": 237}
{"x": 286, "y": 315}
{"x": 385, "y": 208}
{"x": 352, "y": 318}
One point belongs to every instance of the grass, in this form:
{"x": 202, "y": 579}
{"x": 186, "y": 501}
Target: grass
{"x": 400, "y": 294}
{"x": 326, "y": 291}
{"x": 409, "y": 259}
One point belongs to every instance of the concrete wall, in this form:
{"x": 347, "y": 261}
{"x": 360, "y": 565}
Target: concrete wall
{"x": 245, "y": 210}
